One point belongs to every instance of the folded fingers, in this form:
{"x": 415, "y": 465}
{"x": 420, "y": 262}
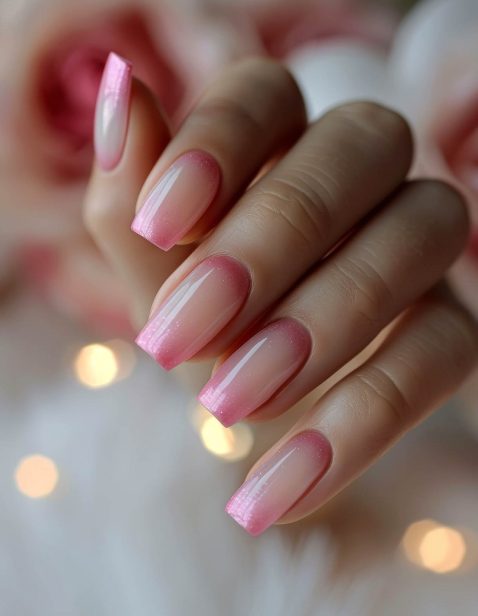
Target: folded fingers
{"x": 333, "y": 177}
{"x": 315, "y": 259}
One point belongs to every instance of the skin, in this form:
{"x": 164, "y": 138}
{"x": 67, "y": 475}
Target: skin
{"x": 346, "y": 172}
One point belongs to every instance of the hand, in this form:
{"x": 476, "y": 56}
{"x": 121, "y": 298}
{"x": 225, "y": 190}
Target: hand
{"x": 295, "y": 246}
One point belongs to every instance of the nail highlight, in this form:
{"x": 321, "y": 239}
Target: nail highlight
{"x": 200, "y": 307}
{"x": 179, "y": 199}
{"x": 112, "y": 111}
{"x": 280, "y": 482}
{"x": 255, "y": 372}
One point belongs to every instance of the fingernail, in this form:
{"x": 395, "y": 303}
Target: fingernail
{"x": 179, "y": 199}
{"x": 254, "y": 373}
{"x": 201, "y": 306}
{"x": 277, "y": 485}
{"x": 112, "y": 111}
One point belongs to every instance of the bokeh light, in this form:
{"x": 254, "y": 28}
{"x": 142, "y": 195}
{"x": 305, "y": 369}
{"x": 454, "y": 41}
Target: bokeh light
{"x": 96, "y": 365}
{"x": 36, "y": 476}
{"x": 442, "y": 549}
{"x": 434, "y": 547}
{"x": 230, "y": 444}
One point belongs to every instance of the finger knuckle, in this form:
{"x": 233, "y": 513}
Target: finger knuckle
{"x": 457, "y": 330}
{"x": 295, "y": 203}
{"x": 224, "y": 111}
{"x": 379, "y": 121}
{"x": 233, "y": 100}
{"x": 275, "y": 76}
{"x": 364, "y": 290}
{"x": 381, "y": 394}
{"x": 258, "y": 64}
{"x": 446, "y": 206}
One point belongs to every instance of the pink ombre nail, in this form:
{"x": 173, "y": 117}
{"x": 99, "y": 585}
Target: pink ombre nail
{"x": 256, "y": 371}
{"x": 280, "y": 482}
{"x": 179, "y": 199}
{"x": 200, "y": 307}
{"x": 112, "y": 111}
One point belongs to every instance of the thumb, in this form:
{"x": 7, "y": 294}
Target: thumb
{"x": 131, "y": 133}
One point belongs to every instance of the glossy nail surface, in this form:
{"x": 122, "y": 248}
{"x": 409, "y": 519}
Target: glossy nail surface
{"x": 112, "y": 112}
{"x": 179, "y": 199}
{"x": 200, "y": 307}
{"x": 255, "y": 372}
{"x": 281, "y": 481}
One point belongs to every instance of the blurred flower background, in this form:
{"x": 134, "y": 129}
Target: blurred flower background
{"x": 49, "y": 93}
{"x": 112, "y": 481}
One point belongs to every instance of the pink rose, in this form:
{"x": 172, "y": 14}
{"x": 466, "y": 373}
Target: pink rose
{"x": 49, "y": 92}
{"x": 50, "y": 71}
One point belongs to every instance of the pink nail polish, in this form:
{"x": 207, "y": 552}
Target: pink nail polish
{"x": 112, "y": 111}
{"x": 179, "y": 199}
{"x": 201, "y": 306}
{"x": 254, "y": 373}
{"x": 280, "y": 482}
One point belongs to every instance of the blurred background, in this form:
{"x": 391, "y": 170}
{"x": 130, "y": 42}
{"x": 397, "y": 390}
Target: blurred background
{"x": 112, "y": 480}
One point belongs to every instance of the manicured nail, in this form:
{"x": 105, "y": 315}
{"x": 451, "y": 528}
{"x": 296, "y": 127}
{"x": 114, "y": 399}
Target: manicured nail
{"x": 179, "y": 199}
{"x": 200, "y": 307}
{"x": 255, "y": 372}
{"x": 280, "y": 482}
{"x": 112, "y": 111}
